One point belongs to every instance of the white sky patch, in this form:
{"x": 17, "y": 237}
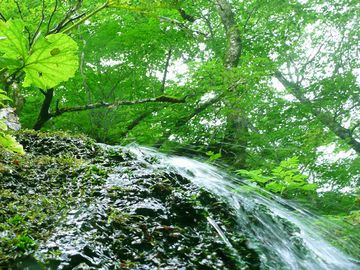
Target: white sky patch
{"x": 110, "y": 62}
{"x": 93, "y": 67}
{"x": 277, "y": 85}
{"x": 217, "y": 122}
{"x": 177, "y": 72}
{"x": 207, "y": 97}
{"x": 328, "y": 154}
{"x": 202, "y": 46}
{"x": 356, "y": 73}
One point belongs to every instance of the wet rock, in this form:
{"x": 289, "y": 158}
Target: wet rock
{"x": 150, "y": 208}
{"x": 87, "y": 206}
{"x": 9, "y": 117}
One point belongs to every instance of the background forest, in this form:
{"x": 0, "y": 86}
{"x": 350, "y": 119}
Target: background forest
{"x": 268, "y": 87}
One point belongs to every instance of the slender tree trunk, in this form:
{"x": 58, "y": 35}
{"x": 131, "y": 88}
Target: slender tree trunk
{"x": 234, "y": 143}
{"x": 44, "y": 114}
{"x": 233, "y": 46}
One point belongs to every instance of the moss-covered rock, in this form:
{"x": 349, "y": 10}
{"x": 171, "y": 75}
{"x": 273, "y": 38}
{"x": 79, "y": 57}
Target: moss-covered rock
{"x": 71, "y": 204}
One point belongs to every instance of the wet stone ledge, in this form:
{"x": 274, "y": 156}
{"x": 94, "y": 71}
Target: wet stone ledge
{"x": 72, "y": 204}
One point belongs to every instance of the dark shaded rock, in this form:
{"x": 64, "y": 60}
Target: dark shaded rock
{"x": 72, "y": 204}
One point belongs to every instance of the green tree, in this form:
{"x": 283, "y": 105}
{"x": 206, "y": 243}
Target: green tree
{"x": 262, "y": 80}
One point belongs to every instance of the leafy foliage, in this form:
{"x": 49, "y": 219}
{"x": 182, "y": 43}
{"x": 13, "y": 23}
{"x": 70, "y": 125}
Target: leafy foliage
{"x": 47, "y": 62}
{"x": 294, "y": 92}
{"x": 7, "y": 141}
{"x": 285, "y": 179}
{"x": 143, "y": 5}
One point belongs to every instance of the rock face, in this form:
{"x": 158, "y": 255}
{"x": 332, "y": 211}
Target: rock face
{"x": 72, "y": 204}
{"x": 10, "y": 118}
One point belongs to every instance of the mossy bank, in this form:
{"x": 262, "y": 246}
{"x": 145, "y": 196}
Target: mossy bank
{"x": 72, "y": 204}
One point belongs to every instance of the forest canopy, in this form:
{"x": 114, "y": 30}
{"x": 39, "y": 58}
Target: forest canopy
{"x": 269, "y": 87}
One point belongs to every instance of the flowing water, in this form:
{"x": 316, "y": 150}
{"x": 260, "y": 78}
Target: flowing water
{"x": 265, "y": 219}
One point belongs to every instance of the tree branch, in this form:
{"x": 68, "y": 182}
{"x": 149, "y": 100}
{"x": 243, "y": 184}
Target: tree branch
{"x": 22, "y": 17}
{"x": 162, "y": 89}
{"x": 116, "y": 104}
{"x": 134, "y": 123}
{"x": 65, "y": 21}
{"x": 2, "y": 17}
{"x": 37, "y": 31}
{"x": 51, "y": 16}
{"x": 183, "y": 120}
{"x": 186, "y": 16}
{"x": 324, "y": 117}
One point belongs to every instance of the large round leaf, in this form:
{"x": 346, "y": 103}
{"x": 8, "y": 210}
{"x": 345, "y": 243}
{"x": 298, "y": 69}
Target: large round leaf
{"x": 13, "y": 43}
{"x": 52, "y": 60}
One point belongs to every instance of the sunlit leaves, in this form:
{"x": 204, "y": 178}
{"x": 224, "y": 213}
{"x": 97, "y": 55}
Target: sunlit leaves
{"x": 13, "y": 43}
{"x": 143, "y": 5}
{"x": 51, "y": 60}
{"x": 284, "y": 179}
{"x": 7, "y": 142}
{"x": 3, "y": 98}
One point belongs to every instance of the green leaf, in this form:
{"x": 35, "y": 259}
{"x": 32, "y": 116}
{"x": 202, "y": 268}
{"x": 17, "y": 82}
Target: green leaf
{"x": 275, "y": 187}
{"x": 4, "y": 97}
{"x": 143, "y": 5}
{"x": 309, "y": 187}
{"x": 3, "y": 126}
{"x": 13, "y": 43}
{"x": 9, "y": 63}
{"x": 10, "y": 144}
{"x": 255, "y": 175}
{"x": 53, "y": 60}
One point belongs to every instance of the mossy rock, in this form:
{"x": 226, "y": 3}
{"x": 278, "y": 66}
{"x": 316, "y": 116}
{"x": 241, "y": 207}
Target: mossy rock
{"x": 72, "y": 204}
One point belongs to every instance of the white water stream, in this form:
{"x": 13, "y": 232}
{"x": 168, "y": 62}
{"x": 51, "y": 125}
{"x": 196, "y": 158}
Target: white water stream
{"x": 266, "y": 222}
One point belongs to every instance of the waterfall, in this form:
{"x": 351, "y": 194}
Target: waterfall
{"x": 283, "y": 233}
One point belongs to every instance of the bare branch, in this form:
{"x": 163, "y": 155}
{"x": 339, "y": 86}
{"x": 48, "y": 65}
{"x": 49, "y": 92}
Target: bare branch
{"x": 37, "y": 31}
{"x": 51, "y": 16}
{"x": 186, "y": 16}
{"x": 22, "y": 17}
{"x": 73, "y": 19}
{"x": 181, "y": 25}
{"x": 19, "y": 9}
{"x": 67, "y": 18}
{"x": 2, "y": 17}
{"x": 162, "y": 89}
{"x": 115, "y": 104}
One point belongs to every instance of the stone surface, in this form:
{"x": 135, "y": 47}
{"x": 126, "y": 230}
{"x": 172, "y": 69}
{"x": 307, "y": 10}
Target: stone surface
{"x": 72, "y": 204}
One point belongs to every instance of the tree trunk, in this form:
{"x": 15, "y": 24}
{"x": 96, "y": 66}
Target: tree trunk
{"x": 235, "y": 140}
{"x": 44, "y": 114}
